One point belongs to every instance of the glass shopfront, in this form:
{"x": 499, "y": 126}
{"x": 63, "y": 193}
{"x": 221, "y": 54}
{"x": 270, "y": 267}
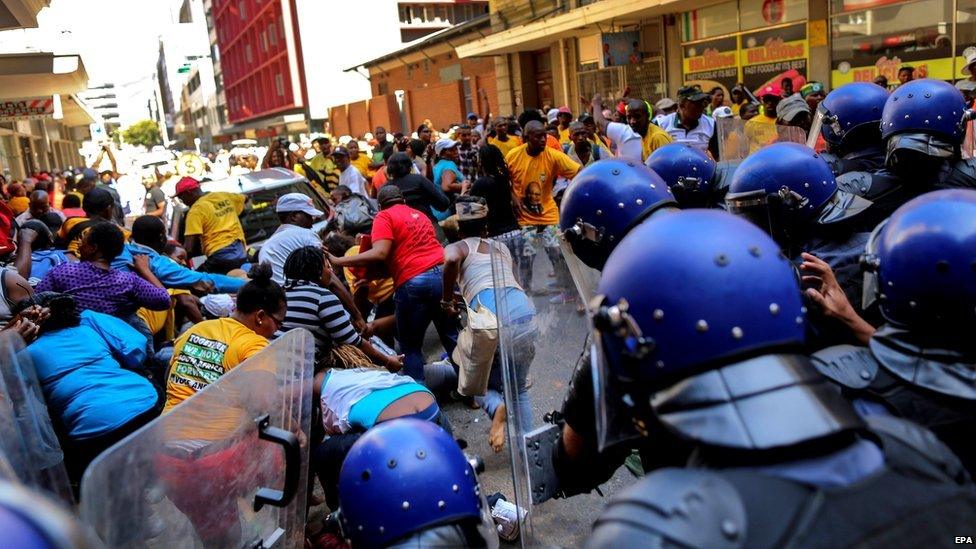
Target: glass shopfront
{"x": 877, "y": 37}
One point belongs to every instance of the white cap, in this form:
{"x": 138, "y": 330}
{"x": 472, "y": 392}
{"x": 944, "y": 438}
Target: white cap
{"x": 297, "y": 202}
{"x": 444, "y": 144}
{"x": 970, "y": 55}
{"x": 552, "y": 114}
{"x": 722, "y": 112}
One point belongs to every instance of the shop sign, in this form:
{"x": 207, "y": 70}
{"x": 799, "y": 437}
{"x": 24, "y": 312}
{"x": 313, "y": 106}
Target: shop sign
{"x": 711, "y": 64}
{"x": 939, "y": 68}
{"x": 769, "y": 56}
{"x": 31, "y": 108}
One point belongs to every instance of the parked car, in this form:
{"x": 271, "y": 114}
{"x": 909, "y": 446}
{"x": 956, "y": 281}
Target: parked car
{"x": 259, "y": 219}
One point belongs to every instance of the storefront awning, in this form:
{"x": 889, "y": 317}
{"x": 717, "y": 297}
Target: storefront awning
{"x": 597, "y": 17}
{"x": 19, "y": 14}
{"x": 75, "y": 112}
{"x": 36, "y": 74}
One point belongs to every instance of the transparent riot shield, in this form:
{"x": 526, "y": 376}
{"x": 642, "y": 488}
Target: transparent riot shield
{"x": 29, "y": 448}
{"x": 226, "y": 468}
{"x": 542, "y": 339}
{"x": 585, "y": 278}
{"x": 739, "y": 138}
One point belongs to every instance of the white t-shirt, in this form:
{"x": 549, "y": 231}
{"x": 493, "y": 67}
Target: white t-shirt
{"x": 697, "y": 137}
{"x": 630, "y": 145}
{"x": 351, "y": 178}
{"x": 341, "y": 389}
{"x": 282, "y": 243}
{"x": 26, "y": 216}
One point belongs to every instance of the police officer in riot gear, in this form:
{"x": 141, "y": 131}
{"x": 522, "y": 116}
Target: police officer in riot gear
{"x": 689, "y": 173}
{"x": 790, "y": 191}
{"x": 849, "y": 120}
{"x": 919, "y": 364}
{"x": 406, "y": 483}
{"x": 922, "y": 127}
{"x": 711, "y": 350}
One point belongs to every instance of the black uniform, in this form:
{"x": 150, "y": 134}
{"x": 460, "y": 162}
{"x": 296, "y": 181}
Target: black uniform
{"x": 920, "y": 497}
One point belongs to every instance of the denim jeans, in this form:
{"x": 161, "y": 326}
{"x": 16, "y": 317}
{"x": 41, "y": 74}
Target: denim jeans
{"x": 515, "y": 242}
{"x": 542, "y": 238}
{"x": 418, "y": 303}
{"x": 521, "y": 352}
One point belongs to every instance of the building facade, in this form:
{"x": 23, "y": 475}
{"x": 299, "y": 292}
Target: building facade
{"x": 551, "y": 52}
{"x": 419, "y": 19}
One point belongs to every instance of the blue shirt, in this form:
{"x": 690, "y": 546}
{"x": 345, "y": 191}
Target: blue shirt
{"x": 85, "y": 374}
{"x": 440, "y": 167}
{"x": 172, "y": 274}
{"x": 43, "y": 261}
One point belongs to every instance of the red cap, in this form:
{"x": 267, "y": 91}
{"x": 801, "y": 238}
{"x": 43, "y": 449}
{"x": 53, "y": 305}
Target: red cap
{"x": 622, "y": 107}
{"x": 186, "y": 184}
{"x": 564, "y": 110}
{"x": 771, "y": 89}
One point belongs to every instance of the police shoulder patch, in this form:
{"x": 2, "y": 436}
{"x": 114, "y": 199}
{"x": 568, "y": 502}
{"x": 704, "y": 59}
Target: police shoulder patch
{"x": 850, "y": 366}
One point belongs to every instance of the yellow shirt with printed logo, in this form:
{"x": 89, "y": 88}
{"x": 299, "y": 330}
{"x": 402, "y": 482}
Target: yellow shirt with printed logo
{"x": 532, "y": 181}
{"x": 214, "y": 217}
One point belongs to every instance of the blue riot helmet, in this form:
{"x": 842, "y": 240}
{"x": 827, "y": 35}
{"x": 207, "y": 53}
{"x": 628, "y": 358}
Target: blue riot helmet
{"x": 922, "y": 125}
{"x": 788, "y": 189}
{"x": 687, "y": 171}
{"x": 605, "y": 200}
{"x": 848, "y": 118}
{"x": 924, "y": 259}
{"x": 709, "y": 348}
{"x": 29, "y": 519}
{"x": 405, "y": 478}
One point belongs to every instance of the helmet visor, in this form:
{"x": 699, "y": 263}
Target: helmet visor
{"x": 753, "y": 206}
{"x": 585, "y": 278}
{"x": 869, "y": 265}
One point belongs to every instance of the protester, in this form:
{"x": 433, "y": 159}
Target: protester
{"x": 480, "y": 267}
{"x": 534, "y": 168}
{"x": 39, "y": 207}
{"x": 71, "y": 206}
{"x": 813, "y": 93}
{"x": 739, "y": 98}
{"x": 404, "y": 239}
{"x": 636, "y": 139}
{"x": 564, "y": 116}
{"x": 690, "y": 125}
{"x": 716, "y": 99}
{"x": 495, "y": 186}
{"x": 349, "y": 175}
{"x": 467, "y": 153}
{"x": 212, "y": 226}
{"x": 418, "y": 191}
{"x": 664, "y": 107}
{"x": 505, "y": 143}
{"x": 447, "y": 175}
{"x": 88, "y": 364}
{"x": 968, "y": 85}
{"x": 906, "y": 74}
{"x": 155, "y": 200}
{"x": 297, "y": 213}
{"x": 36, "y": 255}
{"x": 760, "y": 130}
{"x": 359, "y": 159}
{"x": 18, "y": 202}
{"x": 794, "y": 111}
{"x": 323, "y": 164}
{"x": 881, "y": 80}
{"x": 313, "y": 307}
{"x": 95, "y": 285}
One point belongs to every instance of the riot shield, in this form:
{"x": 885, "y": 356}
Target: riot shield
{"x": 540, "y": 345}
{"x": 585, "y": 278}
{"x": 29, "y": 448}
{"x": 739, "y": 138}
{"x": 226, "y": 468}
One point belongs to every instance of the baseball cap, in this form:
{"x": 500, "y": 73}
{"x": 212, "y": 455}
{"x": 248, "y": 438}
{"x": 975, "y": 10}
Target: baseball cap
{"x": 692, "y": 93}
{"x": 297, "y": 202}
{"x": 722, "y": 112}
{"x": 551, "y": 115}
{"x": 340, "y": 150}
{"x": 89, "y": 173}
{"x": 970, "y": 55}
{"x": 185, "y": 184}
{"x": 665, "y": 104}
{"x": 771, "y": 89}
{"x": 791, "y": 106}
{"x": 564, "y": 110}
{"x": 443, "y": 144}
{"x": 472, "y": 115}
{"x": 811, "y": 88}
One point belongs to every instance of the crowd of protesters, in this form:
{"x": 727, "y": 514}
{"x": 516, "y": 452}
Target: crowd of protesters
{"x": 122, "y": 326}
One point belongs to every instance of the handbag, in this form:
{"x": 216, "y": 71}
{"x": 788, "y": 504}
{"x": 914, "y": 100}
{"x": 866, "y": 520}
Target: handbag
{"x": 475, "y": 351}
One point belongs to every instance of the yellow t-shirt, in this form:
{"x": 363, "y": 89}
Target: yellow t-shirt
{"x": 505, "y": 146}
{"x": 214, "y": 219}
{"x": 564, "y": 137}
{"x": 204, "y": 353}
{"x": 162, "y": 321}
{"x": 379, "y": 290}
{"x": 656, "y": 137}
{"x": 760, "y": 130}
{"x": 19, "y": 204}
{"x": 532, "y": 181}
{"x": 362, "y": 164}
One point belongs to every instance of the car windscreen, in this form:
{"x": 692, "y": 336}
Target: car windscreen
{"x": 261, "y": 220}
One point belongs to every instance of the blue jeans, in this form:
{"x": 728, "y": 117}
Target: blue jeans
{"x": 522, "y": 351}
{"x": 418, "y": 303}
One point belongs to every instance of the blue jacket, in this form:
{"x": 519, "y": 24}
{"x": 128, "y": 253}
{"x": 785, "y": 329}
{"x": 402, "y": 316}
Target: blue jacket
{"x": 85, "y": 374}
{"x": 171, "y": 273}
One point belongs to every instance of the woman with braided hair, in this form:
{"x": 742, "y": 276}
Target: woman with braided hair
{"x": 312, "y": 306}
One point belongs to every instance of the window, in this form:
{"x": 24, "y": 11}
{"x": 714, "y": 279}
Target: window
{"x": 241, "y": 9}
{"x": 247, "y": 53}
{"x": 756, "y": 14}
{"x": 279, "y": 85}
{"x": 382, "y": 88}
{"x": 272, "y": 34}
{"x": 867, "y": 43}
{"x": 711, "y": 21}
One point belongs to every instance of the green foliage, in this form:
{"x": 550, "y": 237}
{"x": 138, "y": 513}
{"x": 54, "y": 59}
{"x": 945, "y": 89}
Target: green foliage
{"x": 143, "y": 132}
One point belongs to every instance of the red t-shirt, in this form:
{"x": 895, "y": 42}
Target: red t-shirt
{"x": 415, "y": 246}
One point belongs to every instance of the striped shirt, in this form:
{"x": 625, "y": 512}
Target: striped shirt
{"x": 319, "y": 311}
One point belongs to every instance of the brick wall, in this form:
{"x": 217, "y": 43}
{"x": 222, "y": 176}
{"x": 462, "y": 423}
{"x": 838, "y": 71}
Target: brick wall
{"x": 443, "y": 104}
{"x": 363, "y": 116}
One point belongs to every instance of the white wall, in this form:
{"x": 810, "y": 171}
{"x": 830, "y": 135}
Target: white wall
{"x": 336, "y": 36}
